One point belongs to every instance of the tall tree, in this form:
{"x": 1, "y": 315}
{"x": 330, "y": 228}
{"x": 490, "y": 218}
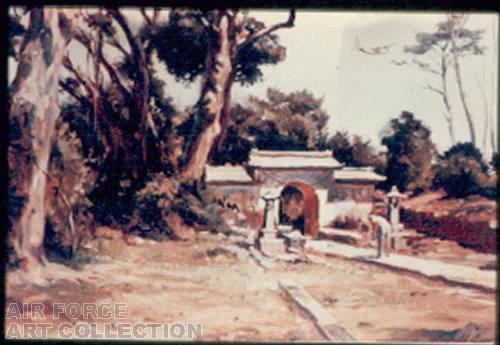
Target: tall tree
{"x": 341, "y": 146}
{"x": 462, "y": 171}
{"x": 229, "y": 47}
{"x": 281, "y": 121}
{"x": 410, "y": 154}
{"x": 352, "y": 151}
{"x": 429, "y": 44}
{"x": 34, "y": 91}
{"x": 463, "y": 41}
{"x": 451, "y": 42}
{"x": 120, "y": 110}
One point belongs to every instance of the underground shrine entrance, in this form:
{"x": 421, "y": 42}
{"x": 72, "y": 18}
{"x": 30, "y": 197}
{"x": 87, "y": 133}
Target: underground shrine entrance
{"x": 299, "y": 208}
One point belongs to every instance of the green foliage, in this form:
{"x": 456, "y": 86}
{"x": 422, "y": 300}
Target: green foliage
{"x": 462, "y": 172}
{"x": 466, "y": 150}
{"x": 20, "y": 158}
{"x": 265, "y": 51}
{"x": 410, "y": 154}
{"x": 294, "y": 121}
{"x": 162, "y": 197}
{"x": 466, "y": 40}
{"x": 112, "y": 144}
{"x": 70, "y": 181}
{"x": 354, "y": 152}
{"x": 183, "y": 45}
{"x": 152, "y": 205}
{"x": 236, "y": 149}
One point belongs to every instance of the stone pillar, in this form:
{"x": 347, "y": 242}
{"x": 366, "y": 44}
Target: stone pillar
{"x": 269, "y": 217}
{"x": 276, "y": 212}
{"x": 394, "y": 213}
{"x": 395, "y": 198}
{"x": 269, "y": 244}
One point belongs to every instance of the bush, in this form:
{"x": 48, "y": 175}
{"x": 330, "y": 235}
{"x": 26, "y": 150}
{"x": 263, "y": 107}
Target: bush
{"x": 162, "y": 196}
{"x": 410, "y": 154}
{"x": 152, "y": 206}
{"x": 462, "y": 172}
{"x": 71, "y": 179}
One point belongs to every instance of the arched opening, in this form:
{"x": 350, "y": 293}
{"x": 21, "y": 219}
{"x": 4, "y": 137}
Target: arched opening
{"x": 299, "y": 207}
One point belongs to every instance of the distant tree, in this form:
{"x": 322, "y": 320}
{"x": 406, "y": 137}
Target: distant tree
{"x": 341, "y": 146}
{"x": 354, "y": 152}
{"x": 447, "y": 46}
{"x": 362, "y": 152}
{"x": 298, "y": 117}
{"x": 294, "y": 121}
{"x": 466, "y": 150}
{"x": 381, "y": 163}
{"x": 410, "y": 154}
{"x": 462, "y": 172}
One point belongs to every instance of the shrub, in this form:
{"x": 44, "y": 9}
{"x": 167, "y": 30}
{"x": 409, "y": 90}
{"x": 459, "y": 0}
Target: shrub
{"x": 152, "y": 206}
{"x": 162, "y": 196}
{"x": 462, "y": 172}
{"x": 70, "y": 180}
{"x": 410, "y": 154}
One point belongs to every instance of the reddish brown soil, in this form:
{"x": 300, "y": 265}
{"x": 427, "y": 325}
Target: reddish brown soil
{"x": 234, "y": 299}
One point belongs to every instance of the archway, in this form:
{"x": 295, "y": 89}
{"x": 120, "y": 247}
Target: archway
{"x": 299, "y": 206}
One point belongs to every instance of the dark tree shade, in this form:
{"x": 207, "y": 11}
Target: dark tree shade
{"x": 466, "y": 150}
{"x": 183, "y": 43}
{"x": 462, "y": 172}
{"x": 410, "y": 154}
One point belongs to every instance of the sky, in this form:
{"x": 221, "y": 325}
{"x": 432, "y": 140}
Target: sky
{"x": 361, "y": 92}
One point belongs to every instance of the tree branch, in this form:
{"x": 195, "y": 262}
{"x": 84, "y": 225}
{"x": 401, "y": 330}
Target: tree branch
{"x": 120, "y": 19}
{"x": 87, "y": 84}
{"x": 432, "y": 88}
{"x": 141, "y": 86}
{"x": 145, "y": 16}
{"x": 81, "y": 37}
{"x": 113, "y": 75}
{"x": 33, "y": 30}
{"x": 112, "y": 41}
{"x": 425, "y": 67}
{"x": 267, "y": 31}
{"x": 72, "y": 92}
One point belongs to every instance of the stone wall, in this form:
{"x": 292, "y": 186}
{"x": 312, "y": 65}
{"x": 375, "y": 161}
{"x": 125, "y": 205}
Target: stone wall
{"x": 357, "y": 191}
{"x": 317, "y": 177}
{"x": 245, "y": 196}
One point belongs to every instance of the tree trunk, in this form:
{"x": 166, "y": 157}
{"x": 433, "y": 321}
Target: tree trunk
{"x": 468, "y": 114}
{"x": 493, "y": 141}
{"x": 37, "y": 84}
{"x": 216, "y": 85}
{"x": 458, "y": 74}
{"x": 444, "y": 84}
{"x": 225, "y": 115}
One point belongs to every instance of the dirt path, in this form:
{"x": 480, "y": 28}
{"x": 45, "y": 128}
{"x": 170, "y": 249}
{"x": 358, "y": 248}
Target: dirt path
{"x": 199, "y": 281}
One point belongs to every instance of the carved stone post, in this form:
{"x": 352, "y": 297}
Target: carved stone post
{"x": 269, "y": 244}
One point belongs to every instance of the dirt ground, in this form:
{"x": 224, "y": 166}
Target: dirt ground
{"x": 433, "y": 248}
{"x": 198, "y": 281}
